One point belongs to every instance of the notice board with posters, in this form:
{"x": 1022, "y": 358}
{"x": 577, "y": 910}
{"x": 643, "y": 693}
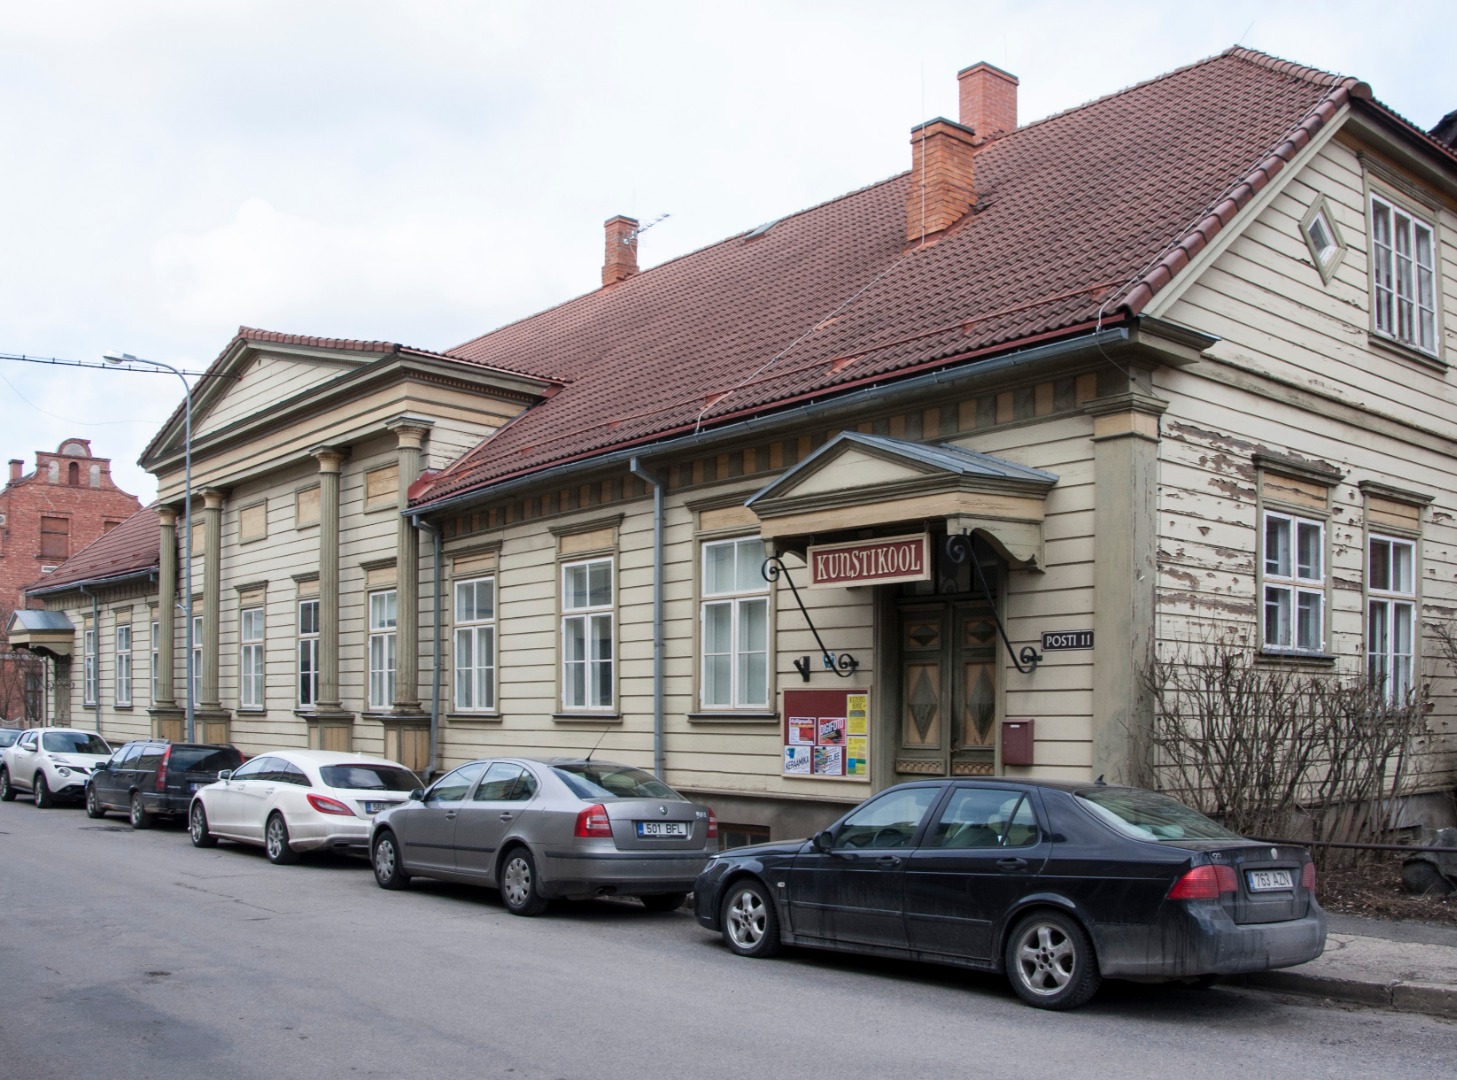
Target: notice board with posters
{"x": 827, "y": 734}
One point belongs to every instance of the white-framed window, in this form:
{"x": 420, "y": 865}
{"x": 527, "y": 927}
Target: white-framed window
{"x": 195, "y": 644}
{"x": 88, "y": 649}
{"x": 124, "y": 664}
{"x": 383, "y": 613}
{"x": 475, "y": 644}
{"x": 734, "y": 621}
{"x": 1391, "y": 615}
{"x": 308, "y": 653}
{"x": 1403, "y": 276}
{"x": 154, "y": 645}
{"x": 250, "y": 658}
{"x": 1323, "y": 237}
{"x": 1294, "y": 583}
{"x": 587, "y": 637}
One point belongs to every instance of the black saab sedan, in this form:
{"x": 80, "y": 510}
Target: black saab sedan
{"x": 1057, "y": 884}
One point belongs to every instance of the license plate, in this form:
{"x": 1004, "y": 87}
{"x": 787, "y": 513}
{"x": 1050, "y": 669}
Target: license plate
{"x": 374, "y": 807}
{"x": 662, "y": 828}
{"x": 193, "y": 787}
{"x": 1268, "y": 880}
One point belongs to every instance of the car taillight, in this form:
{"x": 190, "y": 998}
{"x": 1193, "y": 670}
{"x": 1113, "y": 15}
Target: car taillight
{"x": 593, "y": 821}
{"x": 1307, "y": 877}
{"x": 162, "y": 770}
{"x": 712, "y": 826}
{"x": 1205, "y": 883}
{"x": 325, "y": 805}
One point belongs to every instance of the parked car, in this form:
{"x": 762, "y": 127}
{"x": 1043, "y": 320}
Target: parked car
{"x": 294, "y": 801}
{"x": 538, "y": 830}
{"x": 51, "y": 763}
{"x": 1055, "y": 884}
{"x": 8, "y": 735}
{"x": 153, "y": 778}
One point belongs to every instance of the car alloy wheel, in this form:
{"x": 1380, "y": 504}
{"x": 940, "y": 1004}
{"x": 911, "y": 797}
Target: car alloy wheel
{"x": 518, "y": 884}
{"x": 137, "y": 813}
{"x": 41, "y": 791}
{"x": 750, "y": 923}
{"x": 94, "y": 809}
{"x": 275, "y": 842}
{"x": 197, "y": 827}
{"x": 1050, "y": 962}
{"x": 388, "y": 870}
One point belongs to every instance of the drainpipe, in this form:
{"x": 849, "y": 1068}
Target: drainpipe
{"x": 436, "y": 645}
{"x": 95, "y": 629}
{"x": 646, "y": 477}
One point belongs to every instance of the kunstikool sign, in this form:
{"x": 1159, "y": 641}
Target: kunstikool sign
{"x": 871, "y": 562}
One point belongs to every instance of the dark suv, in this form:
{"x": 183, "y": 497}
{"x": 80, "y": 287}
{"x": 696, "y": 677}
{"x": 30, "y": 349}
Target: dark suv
{"x": 153, "y": 778}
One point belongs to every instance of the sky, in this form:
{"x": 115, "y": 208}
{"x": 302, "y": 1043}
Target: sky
{"x": 423, "y": 172}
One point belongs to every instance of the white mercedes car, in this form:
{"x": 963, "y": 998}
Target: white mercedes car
{"x": 295, "y": 801}
{"x": 50, "y": 763}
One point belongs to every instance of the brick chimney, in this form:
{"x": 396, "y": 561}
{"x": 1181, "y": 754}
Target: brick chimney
{"x": 620, "y": 262}
{"x": 988, "y": 100}
{"x": 941, "y": 190}
{"x": 17, "y": 470}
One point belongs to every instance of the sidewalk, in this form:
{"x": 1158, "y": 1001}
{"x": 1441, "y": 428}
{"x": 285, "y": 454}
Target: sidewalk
{"x": 1411, "y": 967}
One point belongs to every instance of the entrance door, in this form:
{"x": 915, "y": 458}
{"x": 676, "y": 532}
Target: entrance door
{"x": 948, "y": 691}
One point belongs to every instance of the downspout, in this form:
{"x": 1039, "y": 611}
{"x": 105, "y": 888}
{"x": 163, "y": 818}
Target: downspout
{"x": 646, "y": 477}
{"x": 95, "y": 629}
{"x": 436, "y": 645}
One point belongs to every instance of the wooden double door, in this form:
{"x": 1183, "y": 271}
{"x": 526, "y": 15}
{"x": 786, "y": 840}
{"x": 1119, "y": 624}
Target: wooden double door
{"x": 948, "y": 687}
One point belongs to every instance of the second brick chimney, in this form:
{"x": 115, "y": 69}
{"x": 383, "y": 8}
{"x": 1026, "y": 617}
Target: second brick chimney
{"x": 988, "y": 100}
{"x": 941, "y": 189}
{"x": 620, "y": 262}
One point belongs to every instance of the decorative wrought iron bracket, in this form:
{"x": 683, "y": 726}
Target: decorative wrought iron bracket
{"x": 959, "y": 549}
{"x": 842, "y": 664}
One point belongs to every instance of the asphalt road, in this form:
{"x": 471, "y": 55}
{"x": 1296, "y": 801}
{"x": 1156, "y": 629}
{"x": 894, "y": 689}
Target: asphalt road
{"x": 131, "y": 954}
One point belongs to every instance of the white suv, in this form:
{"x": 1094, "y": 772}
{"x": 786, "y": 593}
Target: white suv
{"x": 50, "y": 763}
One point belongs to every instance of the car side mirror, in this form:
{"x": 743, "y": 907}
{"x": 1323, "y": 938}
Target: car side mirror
{"x": 225, "y": 774}
{"x": 824, "y": 840}
{"x": 416, "y": 795}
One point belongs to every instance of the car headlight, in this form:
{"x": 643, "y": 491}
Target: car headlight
{"x": 61, "y": 770}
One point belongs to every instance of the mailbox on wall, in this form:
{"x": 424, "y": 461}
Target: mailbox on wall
{"x": 1017, "y": 741}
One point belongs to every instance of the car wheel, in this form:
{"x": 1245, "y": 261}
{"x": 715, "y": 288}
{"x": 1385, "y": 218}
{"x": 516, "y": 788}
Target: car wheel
{"x": 137, "y": 813}
{"x": 1050, "y": 962}
{"x": 197, "y": 827}
{"x": 7, "y": 793}
{"x": 664, "y": 902}
{"x": 41, "y": 791}
{"x": 275, "y": 842}
{"x": 518, "y": 883}
{"x": 389, "y": 869}
{"x": 94, "y": 809}
{"x": 750, "y": 923}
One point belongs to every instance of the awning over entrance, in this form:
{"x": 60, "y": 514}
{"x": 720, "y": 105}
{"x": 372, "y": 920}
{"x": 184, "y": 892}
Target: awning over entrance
{"x": 47, "y": 633}
{"x": 860, "y": 481}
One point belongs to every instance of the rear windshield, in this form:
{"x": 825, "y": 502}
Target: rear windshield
{"x": 1147, "y": 815}
{"x": 590, "y": 780}
{"x": 204, "y": 759}
{"x": 369, "y": 777}
{"x": 8, "y": 736}
{"x": 73, "y": 742}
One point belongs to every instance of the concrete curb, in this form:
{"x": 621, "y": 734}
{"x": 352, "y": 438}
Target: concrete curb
{"x": 1428, "y": 999}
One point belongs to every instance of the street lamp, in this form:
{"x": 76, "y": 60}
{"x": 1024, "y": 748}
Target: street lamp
{"x": 128, "y": 358}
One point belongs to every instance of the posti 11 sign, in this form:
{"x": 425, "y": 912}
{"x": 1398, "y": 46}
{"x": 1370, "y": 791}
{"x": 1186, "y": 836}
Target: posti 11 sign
{"x": 871, "y": 562}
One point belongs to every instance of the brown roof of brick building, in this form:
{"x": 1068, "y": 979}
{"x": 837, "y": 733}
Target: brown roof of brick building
{"x": 131, "y": 549}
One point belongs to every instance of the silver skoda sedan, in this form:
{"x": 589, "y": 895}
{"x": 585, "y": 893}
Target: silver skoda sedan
{"x": 539, "y": 830}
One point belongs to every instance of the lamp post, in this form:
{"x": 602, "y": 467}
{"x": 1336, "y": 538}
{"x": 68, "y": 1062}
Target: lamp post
{"x": 128, "y": 358}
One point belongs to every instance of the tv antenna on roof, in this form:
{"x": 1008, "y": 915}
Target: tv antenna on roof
{"x": 630, "y": 237}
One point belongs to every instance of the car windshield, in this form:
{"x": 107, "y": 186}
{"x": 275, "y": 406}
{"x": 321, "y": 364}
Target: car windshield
{"x": 1147, "y": 815}
{"x": 204, "y": 759}
{"x": 369, "y": 777}
{"x": 74, "y": 742}
{"x": 8, "y": 736}
{"x": 594, "y": 780}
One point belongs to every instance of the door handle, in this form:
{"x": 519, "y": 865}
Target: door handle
{"x": 887, "y": 860}
{"x": 450, "y": 815}
{"x": 1011, "y": 864}
{"x": 507, "y": 817}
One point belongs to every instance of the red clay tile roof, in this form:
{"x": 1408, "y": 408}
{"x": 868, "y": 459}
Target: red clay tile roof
{"x": 130, "y": 549}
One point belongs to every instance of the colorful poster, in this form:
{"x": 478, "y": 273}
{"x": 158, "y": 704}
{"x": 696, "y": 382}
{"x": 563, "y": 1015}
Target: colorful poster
{"x": 857, "y": 711}
{"x": 829, "y": 761}
{"x": 801, "y": 730}
{"x": 832, "y": 730}
{"x": 857, "y": 757}
{"x": 797, "y": 759}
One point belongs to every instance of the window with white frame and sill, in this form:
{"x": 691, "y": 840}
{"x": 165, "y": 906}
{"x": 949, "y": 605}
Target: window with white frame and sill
{"x": 308, "y": 653}
{"x": 195, "y": 644}
{"x": 383, "y": 614}
{"x": 250, "y": 658}
{"x": 475, "y": 644}
{"x": 1403, "y": 276}
{"x": 735, "y": 626}
{"x": 587, "y": 635}
{"x": 1391, "y": 616}
{"x": 124, "y": 665}
{"x": 89, "y": 681}
{"x": 1294, "y": 583}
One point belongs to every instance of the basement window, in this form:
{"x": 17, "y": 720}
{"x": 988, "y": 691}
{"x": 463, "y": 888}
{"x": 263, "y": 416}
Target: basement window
{"x": 1323, "y": 238}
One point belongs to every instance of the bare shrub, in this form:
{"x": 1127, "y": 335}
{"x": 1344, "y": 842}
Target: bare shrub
{"x": 1273, "y": 751}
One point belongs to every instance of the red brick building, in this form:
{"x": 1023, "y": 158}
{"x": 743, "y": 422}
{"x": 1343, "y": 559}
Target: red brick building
{"x": 48, "y": 515}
